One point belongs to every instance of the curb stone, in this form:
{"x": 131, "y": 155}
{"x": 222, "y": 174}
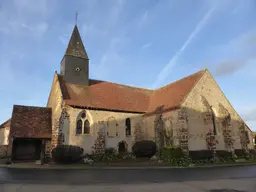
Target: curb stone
{"x": 120, "y": 167}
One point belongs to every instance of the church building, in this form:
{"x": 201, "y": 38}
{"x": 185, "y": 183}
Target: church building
{"x": 96, "y": 114}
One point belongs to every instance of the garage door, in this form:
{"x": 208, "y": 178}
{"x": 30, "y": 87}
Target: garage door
{"x": 25, "y": 149}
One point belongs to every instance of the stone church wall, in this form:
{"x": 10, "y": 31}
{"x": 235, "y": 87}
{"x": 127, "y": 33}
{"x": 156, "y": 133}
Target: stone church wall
{"x": 55, "y": 102}
{"x": 102, "y": 123}
{"x": 205, "y": 95}
{"x": 4, "y": 134}
{"x": 170, "y": 122}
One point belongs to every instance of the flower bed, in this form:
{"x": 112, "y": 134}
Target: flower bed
{"x": 169, "y": 156}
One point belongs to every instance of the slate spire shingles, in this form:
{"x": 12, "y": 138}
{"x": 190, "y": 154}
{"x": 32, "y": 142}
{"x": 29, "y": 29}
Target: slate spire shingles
{"x": 75, "y": 45}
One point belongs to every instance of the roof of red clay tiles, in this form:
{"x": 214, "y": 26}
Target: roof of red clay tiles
{"x": 172, "y": 95}
{"x": 106, "y": 95}
{"x": 31, "y": 122}
{"x": 6, "y": 124}
{"x": 112, "y": 96}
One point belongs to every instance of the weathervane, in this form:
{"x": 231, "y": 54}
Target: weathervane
{"x": 76, "y": 16}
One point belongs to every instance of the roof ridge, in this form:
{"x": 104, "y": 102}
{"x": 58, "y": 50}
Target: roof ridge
{"x": 134, "y": 87}
{"x": 30, "y": 106}
{"x": 202, "y": 74}
{"x": 122, "y": 84}
{"x": 111, "y": 83}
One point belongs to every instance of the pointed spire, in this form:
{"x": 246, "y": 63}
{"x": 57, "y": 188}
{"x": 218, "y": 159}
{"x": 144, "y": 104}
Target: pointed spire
{"x": 75, "y": 45}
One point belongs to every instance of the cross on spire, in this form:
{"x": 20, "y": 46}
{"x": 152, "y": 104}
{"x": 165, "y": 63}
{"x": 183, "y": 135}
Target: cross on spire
{"x": 76, "y": 16}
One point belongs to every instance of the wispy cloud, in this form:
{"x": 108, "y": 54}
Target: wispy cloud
{"x": 24, "y": 23}
{"x": 25, "y": 17}
{"x": 249, "y": 115}
{"x": 147, "y": 45}
{"x": 239, "y": 53}
{"x": 114, "y": 37}
{"x": 91, "y": 30}
{"x": 228, "y": 67}
{"x": 168, "y": 68}
{"x": 111, "y": 59}
{"x": 144, "y": 18}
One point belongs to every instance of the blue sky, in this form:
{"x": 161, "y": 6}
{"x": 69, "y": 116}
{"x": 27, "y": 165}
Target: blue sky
{"x": 146, "y": 43}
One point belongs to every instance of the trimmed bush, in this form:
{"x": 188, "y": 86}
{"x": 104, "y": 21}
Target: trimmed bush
{"x": 67, "y": 154}
{"x": 252, "y": 154}
{"x": 144, "y": 148}
{"x": 170, "y": 152}
{"x": 240, "y": 153}
{"x": 201, "y": 155}
{"x": 110, "y": 151}
{"x": 224, "y": 154}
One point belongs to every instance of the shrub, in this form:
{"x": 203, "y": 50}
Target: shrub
{"x": 201, "y": 155}
{"x": 170, "y": 152}
{"x": 110, "y": 151}
{"x": 224, "y": 154}
{"x": 144, "y": 148}
{"x": 253, "y": 154}
{"x": 241, "y": 153}
{"x": 67, "y": 154}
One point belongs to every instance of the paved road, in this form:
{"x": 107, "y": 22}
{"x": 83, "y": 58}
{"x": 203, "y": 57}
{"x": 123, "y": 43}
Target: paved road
{"x": 217, "y": 179}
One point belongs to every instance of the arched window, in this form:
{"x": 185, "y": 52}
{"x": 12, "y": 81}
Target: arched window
{"x": 112, "y": 127}
{"x": 247, "y": 137}
{"x": 128, "y": 127}
{"x": 82, "y": 124}
{"x": 86, "y": 127}
{"x": 79, "y": 127}
{"x": 213, "y": 122}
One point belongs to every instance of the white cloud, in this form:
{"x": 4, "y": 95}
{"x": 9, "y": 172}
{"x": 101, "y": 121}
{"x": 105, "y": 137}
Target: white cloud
{"x": 168, "y": 68}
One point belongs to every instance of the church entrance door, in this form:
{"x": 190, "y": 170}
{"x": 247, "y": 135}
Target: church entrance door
{"x": 122, "y": 147}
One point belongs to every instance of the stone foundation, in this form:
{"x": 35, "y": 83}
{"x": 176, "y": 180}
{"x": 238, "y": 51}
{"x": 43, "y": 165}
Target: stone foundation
{"x": 3, "y": 150}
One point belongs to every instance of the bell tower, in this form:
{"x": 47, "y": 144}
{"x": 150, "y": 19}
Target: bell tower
{"x": 75, "y": 63}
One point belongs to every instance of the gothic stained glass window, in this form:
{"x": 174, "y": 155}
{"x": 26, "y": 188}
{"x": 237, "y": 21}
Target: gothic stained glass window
{"x": 86, "y": 127}
{"x": 128, "y": 126}
{"x": 79, "y": 125}
{"x": 83, "y": 115}
{"x": 247, "y": 137}
{"x": 213, "y": 122}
